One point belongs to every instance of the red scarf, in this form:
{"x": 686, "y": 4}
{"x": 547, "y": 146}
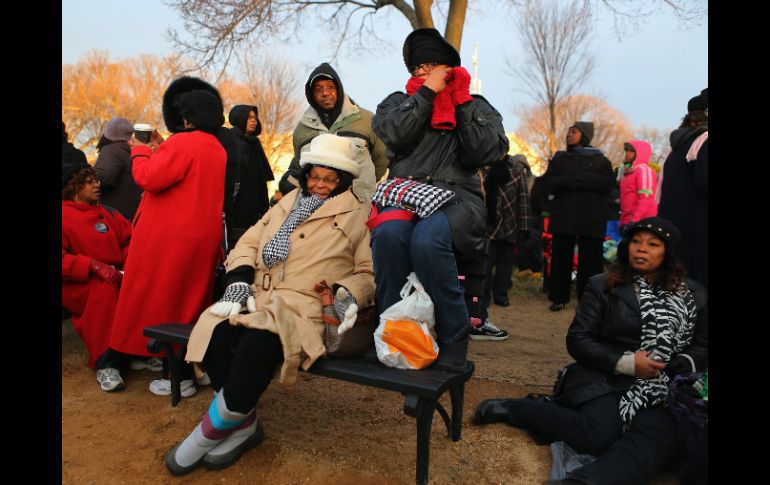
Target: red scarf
{"x": 443, "y": 117}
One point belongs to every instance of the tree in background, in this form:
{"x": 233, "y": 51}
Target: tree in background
{"x": 94, "y": 90}
{"x": 216, "y": 28}
{"x": 557, "y": 58}
{"x": 611, "y": 128}
{"x": 274, "y": 87}
{"x": 659, "y": 141}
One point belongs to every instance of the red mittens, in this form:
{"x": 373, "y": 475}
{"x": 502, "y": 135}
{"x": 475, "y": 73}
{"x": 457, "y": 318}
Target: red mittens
{"x": 106, "y": 272}
{"x": 460, "y": 82}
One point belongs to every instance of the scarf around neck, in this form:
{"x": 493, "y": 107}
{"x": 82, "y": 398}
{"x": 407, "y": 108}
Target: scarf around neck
{"x": 277, "y": 249}
{"x": 668, "y": 321}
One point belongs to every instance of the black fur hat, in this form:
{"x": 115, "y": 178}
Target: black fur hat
{"x": 172, "y": 115}
{"x": 427, "y": 45}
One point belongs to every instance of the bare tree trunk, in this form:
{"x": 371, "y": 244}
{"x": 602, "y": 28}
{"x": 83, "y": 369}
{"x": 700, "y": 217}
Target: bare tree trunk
{"x": 557, "y": 59}
{"x": 551, "y": 129}
{"x": 455, "y": 22}
{"x": 422, "y": 10}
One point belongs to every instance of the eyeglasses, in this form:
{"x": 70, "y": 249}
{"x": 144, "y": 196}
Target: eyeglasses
{"x": 328, "y": 181}
{"x": 426, "y": 66}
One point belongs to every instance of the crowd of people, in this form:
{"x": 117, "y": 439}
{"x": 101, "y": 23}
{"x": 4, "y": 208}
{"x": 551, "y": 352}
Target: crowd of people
{"x": 145, "y": 230}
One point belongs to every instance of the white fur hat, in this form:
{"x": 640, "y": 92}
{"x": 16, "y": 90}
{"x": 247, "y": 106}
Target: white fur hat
{"x": 334, "y": 151}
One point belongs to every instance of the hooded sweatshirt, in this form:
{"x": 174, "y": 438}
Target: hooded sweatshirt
{"x": 637, "y": 188}
{"x": 325, "y": 71}
{"x": 347, "y": 119}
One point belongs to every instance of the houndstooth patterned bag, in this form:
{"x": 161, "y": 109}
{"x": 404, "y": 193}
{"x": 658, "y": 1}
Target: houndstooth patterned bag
{"x": 418, "y": 197}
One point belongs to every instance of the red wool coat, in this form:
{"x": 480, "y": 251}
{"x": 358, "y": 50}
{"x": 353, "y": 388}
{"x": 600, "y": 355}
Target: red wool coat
{"x": 91, "y": 231}
{"x": 169, "y": 272}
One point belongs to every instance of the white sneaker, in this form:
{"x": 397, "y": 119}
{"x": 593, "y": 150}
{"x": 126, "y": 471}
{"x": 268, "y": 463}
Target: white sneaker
{"x": 153, "y": 364}
{"x": 109, "y": 379}
{"x": 162, "y": 387}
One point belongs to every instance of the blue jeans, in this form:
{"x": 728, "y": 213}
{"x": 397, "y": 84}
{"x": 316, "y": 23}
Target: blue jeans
{"x": 425, "y": 247}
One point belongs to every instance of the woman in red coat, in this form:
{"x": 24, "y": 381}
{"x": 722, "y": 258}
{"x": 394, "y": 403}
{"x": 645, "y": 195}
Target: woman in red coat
{"x": 169, "y": 272}
{"x": 94, "y": 243}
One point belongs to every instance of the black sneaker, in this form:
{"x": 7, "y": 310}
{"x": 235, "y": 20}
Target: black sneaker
{"x": 557, "y": 307}
{"x": 487, "y": 331}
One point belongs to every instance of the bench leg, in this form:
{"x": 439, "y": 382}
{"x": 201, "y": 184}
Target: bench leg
{"x": 175, "y": 363}
{"x": 422, "y": 410}
{"x": 457, "y": 395}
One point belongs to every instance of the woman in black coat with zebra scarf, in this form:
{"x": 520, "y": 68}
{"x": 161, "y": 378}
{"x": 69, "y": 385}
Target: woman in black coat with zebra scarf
{"x": 635, "y": 328}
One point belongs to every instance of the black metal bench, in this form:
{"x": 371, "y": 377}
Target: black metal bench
{"x": 422, "y": 389}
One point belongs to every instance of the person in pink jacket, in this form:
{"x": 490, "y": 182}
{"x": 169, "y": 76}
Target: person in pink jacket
{"x": 637, "y": 185}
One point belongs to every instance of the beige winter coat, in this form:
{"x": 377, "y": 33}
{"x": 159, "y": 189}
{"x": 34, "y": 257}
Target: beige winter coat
{"x": 332, "y": 245}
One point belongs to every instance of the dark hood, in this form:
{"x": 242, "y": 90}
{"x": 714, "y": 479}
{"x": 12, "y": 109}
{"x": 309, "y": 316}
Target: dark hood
{"x": 681, "y": 136}
{"x": 239, "y": 115}
{"x": 331, "y": 116}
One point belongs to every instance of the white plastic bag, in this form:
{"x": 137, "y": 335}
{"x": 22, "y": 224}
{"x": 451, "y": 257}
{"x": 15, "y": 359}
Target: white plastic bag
{"x": 403, "y": 339}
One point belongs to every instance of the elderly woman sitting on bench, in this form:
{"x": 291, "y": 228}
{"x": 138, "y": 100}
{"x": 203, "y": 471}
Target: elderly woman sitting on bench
{"x": 314, "y": 234}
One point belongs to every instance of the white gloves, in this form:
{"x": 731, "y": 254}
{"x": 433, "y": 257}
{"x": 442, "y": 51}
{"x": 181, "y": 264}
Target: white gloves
{"x": 346, "y": 308}
{"x": 236, "y": 295}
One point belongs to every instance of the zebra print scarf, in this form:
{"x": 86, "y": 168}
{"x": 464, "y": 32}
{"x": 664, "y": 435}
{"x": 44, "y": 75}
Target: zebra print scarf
{"x": 668, "y": 320}
{"x": 277, "y": 249}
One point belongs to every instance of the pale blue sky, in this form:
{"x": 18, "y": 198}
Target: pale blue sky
{"x": 649, "y": 75}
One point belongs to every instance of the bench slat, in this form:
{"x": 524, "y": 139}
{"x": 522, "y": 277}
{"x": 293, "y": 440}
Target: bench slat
{"x": 424, "y": 383}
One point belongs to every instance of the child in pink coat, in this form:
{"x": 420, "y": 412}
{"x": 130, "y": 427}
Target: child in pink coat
{"x": 638, "y": 184}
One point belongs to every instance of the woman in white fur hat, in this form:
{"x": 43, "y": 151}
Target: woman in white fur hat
{"x": 315, "y": 233}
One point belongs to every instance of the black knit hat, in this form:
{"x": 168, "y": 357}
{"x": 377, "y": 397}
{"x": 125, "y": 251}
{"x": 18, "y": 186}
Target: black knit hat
{"x": 586, "y": 128}
{"x": 69, "y": 170}
{"x": 427, "y": 45}
{"x": 172, "y": 97}
{"x": 699, "y": 102}
{"x": 664, "y": 229}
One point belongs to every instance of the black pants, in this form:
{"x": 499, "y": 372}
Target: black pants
{"x": 590, "y": 262}
{"x": 595, "y": 428}
{"x": 501, "y": 258}
{"x": 242, "y": 361}
{"x": 531, "y": 251}
{"x": 112, "y": 358}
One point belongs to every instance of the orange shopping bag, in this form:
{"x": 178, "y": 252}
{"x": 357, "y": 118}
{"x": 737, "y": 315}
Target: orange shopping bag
{"x": 403, "y": 338}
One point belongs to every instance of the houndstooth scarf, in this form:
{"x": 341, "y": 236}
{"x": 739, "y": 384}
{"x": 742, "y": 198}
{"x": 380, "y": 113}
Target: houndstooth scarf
{"x": 277, "y": 249}
{"x": 668, "y": 320}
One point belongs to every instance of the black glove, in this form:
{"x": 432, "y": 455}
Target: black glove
{"x": 678, "y": 365}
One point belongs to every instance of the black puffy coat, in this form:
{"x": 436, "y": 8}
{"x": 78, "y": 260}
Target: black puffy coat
{"x": 448, "y": 159}
{"x": 580, "y": 181}
{"x": 252, "y": 172}
{"x": 608, "y": 323}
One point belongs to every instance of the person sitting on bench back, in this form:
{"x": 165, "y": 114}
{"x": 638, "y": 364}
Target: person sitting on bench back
{"x": 316, "y": 233}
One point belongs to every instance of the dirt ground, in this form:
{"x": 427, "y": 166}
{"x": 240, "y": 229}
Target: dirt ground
{"x": 324, "y": 431}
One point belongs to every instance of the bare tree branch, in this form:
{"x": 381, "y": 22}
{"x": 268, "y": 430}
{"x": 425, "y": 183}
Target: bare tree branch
{"x": 273, "y": 85}
{"x": 557, "y": 58}
{"x": 611, "y": 127}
